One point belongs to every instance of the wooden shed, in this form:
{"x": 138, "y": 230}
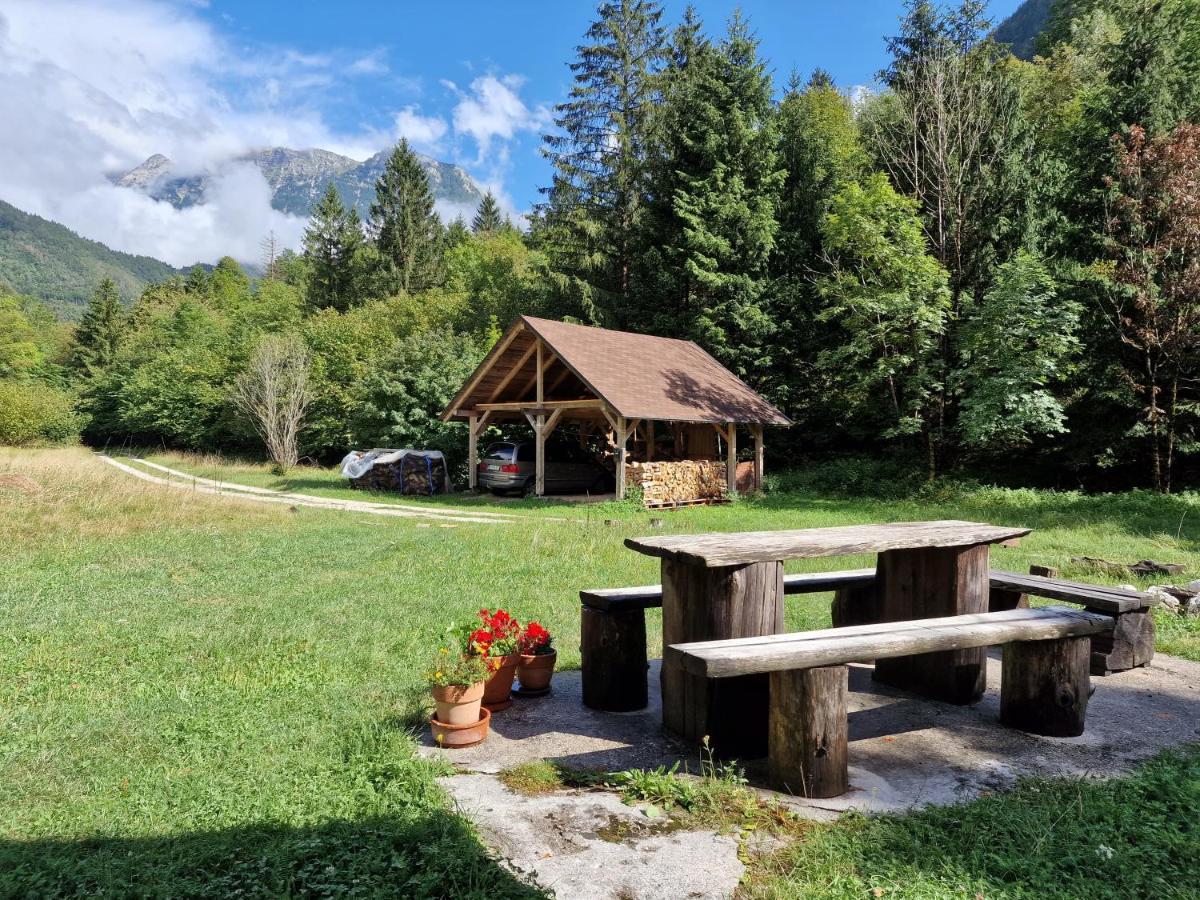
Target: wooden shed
{"x": 549, "y": 372}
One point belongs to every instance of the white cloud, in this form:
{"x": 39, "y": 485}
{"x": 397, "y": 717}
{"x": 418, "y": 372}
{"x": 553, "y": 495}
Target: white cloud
{"x": 494, "y": 109}
{"x": 87, "y": 89}
{"x": 422, "y": 131}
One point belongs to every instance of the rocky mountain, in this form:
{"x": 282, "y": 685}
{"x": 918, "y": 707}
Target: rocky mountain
{"x": 298, "y": 178}
{"x": 40, "y": 258}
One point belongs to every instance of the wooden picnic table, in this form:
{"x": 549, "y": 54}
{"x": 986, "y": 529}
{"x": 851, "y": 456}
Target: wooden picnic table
{"x": 730, "y": 585}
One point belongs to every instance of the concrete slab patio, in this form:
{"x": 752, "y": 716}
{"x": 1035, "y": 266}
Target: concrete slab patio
{"x": 905, "y": 752}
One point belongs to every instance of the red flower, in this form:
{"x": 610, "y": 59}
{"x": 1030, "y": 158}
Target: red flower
{"x": 534, "y": 638}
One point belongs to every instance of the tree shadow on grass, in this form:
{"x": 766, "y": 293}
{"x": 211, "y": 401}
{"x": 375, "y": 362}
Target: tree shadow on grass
{"x": 431, "y": 855}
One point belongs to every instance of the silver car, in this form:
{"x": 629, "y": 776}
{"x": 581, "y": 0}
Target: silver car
{"x": 508, "y": 467}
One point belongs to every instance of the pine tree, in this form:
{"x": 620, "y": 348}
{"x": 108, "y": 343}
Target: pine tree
{"x": 712, "y": 224}
{"x": 457, "y": 233}
{"x": 100, "y": 329}
{"x": 592, "y": 211}
{"x": 331, "y": 242}
{"x": 407, "y": 231}
{"x": 488, "y": 219}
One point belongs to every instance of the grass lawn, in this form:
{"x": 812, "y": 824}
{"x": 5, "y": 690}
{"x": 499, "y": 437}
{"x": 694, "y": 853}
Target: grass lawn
{"x": 201, "y": 696}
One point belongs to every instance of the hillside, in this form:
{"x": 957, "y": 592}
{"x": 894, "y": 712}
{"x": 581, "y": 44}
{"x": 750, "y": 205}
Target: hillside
{"x": 43, "y": 259}
{"x": 298, "y": 178}
{"x": 1022, "y": 28}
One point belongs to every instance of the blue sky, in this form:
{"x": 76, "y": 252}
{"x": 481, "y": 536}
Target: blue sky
{"x": 423, "y": 45}
{"x": 98, "y": 87}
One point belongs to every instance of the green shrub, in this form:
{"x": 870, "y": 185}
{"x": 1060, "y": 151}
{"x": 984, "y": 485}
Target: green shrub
{"x": 33, "y": 412}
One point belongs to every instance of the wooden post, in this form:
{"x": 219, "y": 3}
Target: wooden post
{"x": 540, "y": 391}
{"x": 539, "y": 464}
{"x": 809, "y": 732}
{"x": 926, "y": 584}
{"x": 704, "y": 604}
{"x": 1045, "y": 686}
{"x": 620, "y": 437}
{"x": 613, "y": 651}
{"x": 731, "y": 457}
{"x": 473, "y": 451}
{"x": 858, "y": 605}
{"x": 758, "y": 457}
{"x": 649, "y": 440}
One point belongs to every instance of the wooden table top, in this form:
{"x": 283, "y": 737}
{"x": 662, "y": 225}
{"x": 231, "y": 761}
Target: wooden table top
{"x": 734, "y": 548}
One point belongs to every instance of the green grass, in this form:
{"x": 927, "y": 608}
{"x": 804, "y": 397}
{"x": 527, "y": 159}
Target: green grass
{"x": 202, "y": 696}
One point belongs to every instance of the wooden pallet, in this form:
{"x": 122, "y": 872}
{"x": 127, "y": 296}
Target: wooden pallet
{"x": 674, "y": 504}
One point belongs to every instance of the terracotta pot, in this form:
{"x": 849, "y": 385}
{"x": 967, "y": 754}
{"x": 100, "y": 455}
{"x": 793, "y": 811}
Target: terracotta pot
{"x": 497, "y": 689}
{"x": 534, "y": 671}
{"x": 454, "y": 737}
{"x": 458, "y": 704}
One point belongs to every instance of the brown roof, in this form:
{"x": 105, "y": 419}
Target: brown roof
{"x": 640, "y": 376}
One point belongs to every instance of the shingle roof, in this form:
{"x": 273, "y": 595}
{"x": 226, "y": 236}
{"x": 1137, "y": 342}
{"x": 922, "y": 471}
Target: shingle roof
{"x": 640, "y": 376}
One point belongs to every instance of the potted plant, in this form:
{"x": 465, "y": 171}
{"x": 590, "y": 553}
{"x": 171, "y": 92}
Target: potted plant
{"x": 457, "y": 680}
{"x": 538, "y": 656}
{"x": 496, "y": 640}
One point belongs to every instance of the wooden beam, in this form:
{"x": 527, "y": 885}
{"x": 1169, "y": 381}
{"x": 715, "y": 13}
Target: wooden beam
{"x": 650, "y": 441}
{"x": 473, "y": 451}
{"x": 731, "y": 458}
{"x": 539, "y": 464}
{"x": 758, "y": 457}
{"x": 612, "y": 418}
{"x": 519, "y": 405}
{"x": 486, "y": 365}
{"x": 552, "y": 422}
{"x": 511, "y": 374}
{"x": 540, "y": 371}
{"x": 561, "y": 377}
{"x": 621, "y": 436}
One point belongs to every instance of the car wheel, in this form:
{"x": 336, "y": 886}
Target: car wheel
{"x": 496, "y": 492}
{"x": 530, "y": 488}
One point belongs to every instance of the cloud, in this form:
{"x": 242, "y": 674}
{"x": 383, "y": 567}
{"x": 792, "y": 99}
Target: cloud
{"x": 494, "y": 109}
{"x": 422, "y": 131}
{"x": 88, "y": 89}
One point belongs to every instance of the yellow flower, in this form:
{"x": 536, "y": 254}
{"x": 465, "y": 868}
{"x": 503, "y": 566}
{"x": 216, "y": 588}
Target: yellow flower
{"x": 437, "y": 674}
{"x": 444, "y": 650}
{"x": 440, "y": 738}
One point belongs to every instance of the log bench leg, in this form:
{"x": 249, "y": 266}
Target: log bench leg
{"x": 613, "y": 650}
{"x": 808, "y": 732}
{"x": 1130, "y": 645}
{"x": 858, "y": 605}
{"x": 1045, "y": 686}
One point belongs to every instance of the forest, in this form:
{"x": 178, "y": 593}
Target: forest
{"x": 984, "y": 268}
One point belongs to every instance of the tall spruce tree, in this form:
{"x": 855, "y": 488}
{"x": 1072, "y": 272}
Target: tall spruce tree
{"x": 589, "y": 221}
{"x": 712, "y": 220}
{"x": 407, "y": 231}
{"x": 488, "y": 218}
{"x": 100, "y": 329}
{"x": 331, "y": 242}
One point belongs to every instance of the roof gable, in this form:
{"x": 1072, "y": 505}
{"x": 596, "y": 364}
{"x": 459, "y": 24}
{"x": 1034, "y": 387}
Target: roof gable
{"x": 640, "y": 376}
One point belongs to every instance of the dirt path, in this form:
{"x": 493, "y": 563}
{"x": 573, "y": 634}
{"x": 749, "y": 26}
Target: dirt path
{"x": 184, "y": 481}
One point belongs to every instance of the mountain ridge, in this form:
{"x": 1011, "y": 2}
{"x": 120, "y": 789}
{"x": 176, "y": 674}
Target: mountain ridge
{"x": 298, "y": 178}
{"x": 44, "y": 259}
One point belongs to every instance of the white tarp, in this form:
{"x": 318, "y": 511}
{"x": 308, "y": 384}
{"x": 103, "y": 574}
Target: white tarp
{"x": 358, "y": 463}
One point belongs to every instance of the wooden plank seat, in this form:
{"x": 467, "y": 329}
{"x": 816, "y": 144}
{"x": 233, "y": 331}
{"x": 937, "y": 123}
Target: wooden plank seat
{"x": 1044, "y": 687}
{"x": 613, "y": 634}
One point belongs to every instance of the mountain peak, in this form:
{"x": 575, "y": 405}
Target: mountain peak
{"x": 298, "y": 178}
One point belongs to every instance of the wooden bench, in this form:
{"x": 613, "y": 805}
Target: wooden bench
{"x": 1044, "y": 687}
{"x": 613, "y": 631}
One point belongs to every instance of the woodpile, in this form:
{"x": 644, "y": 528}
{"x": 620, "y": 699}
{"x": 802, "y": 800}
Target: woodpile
{"x": 677, "y": 483}
{"x": 411, "y": 474}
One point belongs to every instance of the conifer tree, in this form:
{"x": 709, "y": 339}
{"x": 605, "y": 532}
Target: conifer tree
{"x": 457, "y": 233}
{"x": 407, "y": 231}
{"x": 593, "y": 207}
{"x": 99, "y": 331}
{"x": 488, "y": 219}
{"x": 331, "y": 241}
{"x": 712, "y": 226}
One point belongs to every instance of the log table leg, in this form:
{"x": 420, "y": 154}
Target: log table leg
{"x": 1045, "y": 686}
{"x": 809, "y": 732}
{"x": 926, "y": 584}
{"x": 706, "y": 604}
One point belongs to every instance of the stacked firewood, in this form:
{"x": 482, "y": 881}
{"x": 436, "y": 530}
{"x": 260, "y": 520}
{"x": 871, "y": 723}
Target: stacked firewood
{"x": 685, "y": 481}
{"x": 411, "y": 474}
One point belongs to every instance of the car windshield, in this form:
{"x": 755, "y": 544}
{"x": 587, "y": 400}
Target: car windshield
{"x": 503, "y": 452}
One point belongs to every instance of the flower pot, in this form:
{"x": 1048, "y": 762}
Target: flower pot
{"x": 497, "y": 689}
{"x": 458, "y": 704}
{"x": 535, "y": 670}
{"x": 454, "y": 737}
